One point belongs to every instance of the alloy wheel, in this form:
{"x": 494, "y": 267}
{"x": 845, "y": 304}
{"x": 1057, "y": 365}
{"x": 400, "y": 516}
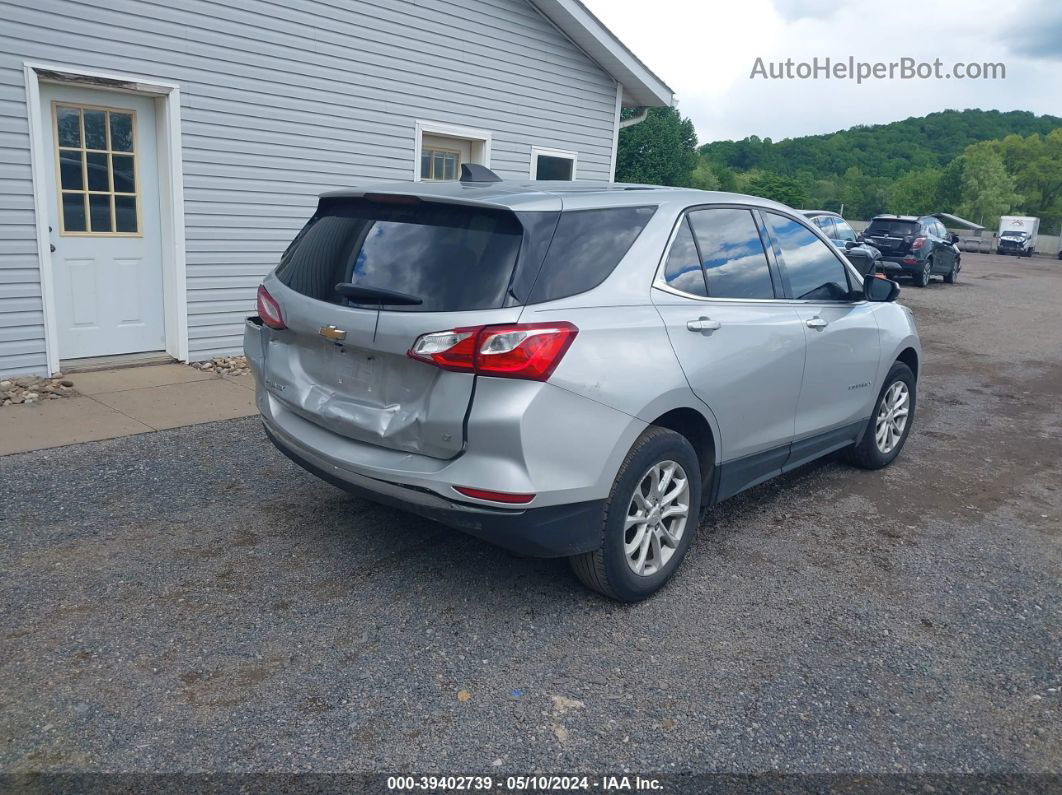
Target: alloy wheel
{"x": 656, "y": 518}
{"x": 892, "y": 417}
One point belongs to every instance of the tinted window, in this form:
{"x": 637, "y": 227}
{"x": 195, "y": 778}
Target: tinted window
{"x": 683, "y": 267}
{"x": 894, "y": 228}
{"x": 549, "y": 167}
{"x": 815, "y": 274}
{"x": 586, "y": 248}
{"x": 735, "y": 264}
{"x": 451, "y": 257}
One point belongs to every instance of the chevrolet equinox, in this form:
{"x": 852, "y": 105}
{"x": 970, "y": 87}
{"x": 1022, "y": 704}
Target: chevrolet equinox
{"x": 574, "y": 369}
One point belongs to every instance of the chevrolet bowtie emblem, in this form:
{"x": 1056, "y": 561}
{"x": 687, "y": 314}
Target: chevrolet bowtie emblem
{"x": 332, "y": 333}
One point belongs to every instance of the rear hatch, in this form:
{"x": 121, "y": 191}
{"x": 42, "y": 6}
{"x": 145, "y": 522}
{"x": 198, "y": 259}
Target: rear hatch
{"x": 409, "y": 267}
{"x": 891, "y": 236}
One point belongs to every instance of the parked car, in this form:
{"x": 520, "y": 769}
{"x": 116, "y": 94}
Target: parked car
{"x": 918, "y": 247}
{"x": 1017, "y": 235}
{"x": 865, "y": 257}
{"x": 574, "y": 369}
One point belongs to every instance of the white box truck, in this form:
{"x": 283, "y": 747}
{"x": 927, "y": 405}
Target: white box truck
{"x": 1017, "y": 235}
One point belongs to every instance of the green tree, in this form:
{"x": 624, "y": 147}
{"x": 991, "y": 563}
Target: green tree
{"x": 987, "y": 190}
{"x": 659, "y": 151}
{"x": 916, "y": 192}
{"x": 704, "y": 176}
{"x": 778, "y": 188}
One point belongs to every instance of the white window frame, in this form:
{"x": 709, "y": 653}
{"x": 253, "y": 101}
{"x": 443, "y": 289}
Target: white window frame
{"x": 167, "y": 98}
{"x": 442, "y": 129}
{"x": 564, "y": 154}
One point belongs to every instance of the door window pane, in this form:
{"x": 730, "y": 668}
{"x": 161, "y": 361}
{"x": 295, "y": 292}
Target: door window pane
{"x": 74, "y": 212}
{"x": 70, "y": 175}
{"x": 98, "y": 189}
{"x": 100, "y": 212}
{"x": 124, "y": 179}
{"x": 121, "y": 132}
{"x": 549, "y": 167}
{"x": 95, "y": 129}
{"x": 735, "y": 264}
{"x": 125, "y": 214}
{"x": 96, "y": 168}
{"x": 682, "y": 270}
{"x": 815, "y": 273}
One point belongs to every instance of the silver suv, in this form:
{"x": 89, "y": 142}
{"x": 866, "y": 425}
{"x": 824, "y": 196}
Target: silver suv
{"x": 573, "y": 369}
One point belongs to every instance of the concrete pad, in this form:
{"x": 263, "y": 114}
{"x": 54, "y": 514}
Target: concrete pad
{"x": 103, "y": 381}
{"x": 190, "y": 403}
{"x": 245, "y": 380}
{"x": 54, "y": 423}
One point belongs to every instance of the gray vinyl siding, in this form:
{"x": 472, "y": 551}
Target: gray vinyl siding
{"x": 282, "y": 100}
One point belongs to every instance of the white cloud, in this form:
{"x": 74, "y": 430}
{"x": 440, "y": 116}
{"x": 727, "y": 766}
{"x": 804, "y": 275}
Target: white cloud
{"x": 706, "y": 51}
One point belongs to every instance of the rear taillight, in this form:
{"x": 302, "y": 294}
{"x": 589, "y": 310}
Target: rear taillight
{"x": 522, "y": 350}
{"x": 918, "y": 243}
{"x": 269, "y": 309}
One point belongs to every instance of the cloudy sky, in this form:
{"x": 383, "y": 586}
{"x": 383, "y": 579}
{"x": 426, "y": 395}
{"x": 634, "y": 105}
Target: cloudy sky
{"x": 706, "y": 50}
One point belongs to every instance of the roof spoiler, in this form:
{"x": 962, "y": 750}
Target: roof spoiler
{"x": 473, "y": 172}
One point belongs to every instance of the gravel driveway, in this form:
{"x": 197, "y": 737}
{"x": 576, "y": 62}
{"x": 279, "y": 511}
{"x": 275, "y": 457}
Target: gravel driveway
{"x": 190, "y": 600}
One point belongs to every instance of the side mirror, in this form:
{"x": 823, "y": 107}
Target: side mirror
{"x": 954, "y": 238}
{"x": 880, "y": 289}
{"x": 859, "y": 238}
{"x": 849, "y": 245}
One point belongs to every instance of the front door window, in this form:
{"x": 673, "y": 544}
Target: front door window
{"x": 96, "y": 157}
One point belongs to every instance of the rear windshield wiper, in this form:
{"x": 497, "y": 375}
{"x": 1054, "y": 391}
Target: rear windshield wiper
{"x": 376, "y": 295}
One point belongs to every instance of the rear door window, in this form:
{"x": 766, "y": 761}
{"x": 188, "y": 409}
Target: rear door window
{"x": 452, "y": 257}
{"x": 814, "y": 271}
{"x": 586, "y": 247}
{"x": 735, "y": 264}
{"x": 682, "y": 270}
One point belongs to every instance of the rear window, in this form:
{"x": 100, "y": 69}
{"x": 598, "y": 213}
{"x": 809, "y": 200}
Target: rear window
{"x": 452, "y": 257}
{"x": 893, "y": 228}
{"x": 586, "y": 247}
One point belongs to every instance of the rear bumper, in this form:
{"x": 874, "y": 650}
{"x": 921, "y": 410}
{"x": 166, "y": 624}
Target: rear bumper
{"x": 894, "y": 265}
{"x": 522, "y": 437}
{"x": 547, "y": 532}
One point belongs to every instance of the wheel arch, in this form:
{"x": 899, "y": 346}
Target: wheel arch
{"x": 694, "y": 426}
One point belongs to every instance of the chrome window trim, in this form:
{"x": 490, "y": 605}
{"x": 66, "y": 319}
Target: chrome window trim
{"x": 660, "y": 283}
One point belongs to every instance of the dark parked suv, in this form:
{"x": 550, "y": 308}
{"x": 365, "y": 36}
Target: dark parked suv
{"x": 919, "y": 247}
{"x": 865, "y": 257}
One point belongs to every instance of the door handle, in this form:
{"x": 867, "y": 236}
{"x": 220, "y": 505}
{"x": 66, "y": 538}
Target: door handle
{"x": 817, "y": 322}
{"x": 703, "y": 324}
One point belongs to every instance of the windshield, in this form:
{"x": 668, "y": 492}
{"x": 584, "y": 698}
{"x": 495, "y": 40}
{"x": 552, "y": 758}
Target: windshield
{"x": 1013, "y": 233}
{"x": 893, "y": 228}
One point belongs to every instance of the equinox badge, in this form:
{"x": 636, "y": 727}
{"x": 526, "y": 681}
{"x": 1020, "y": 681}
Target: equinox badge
{"x": 332, "y": 333}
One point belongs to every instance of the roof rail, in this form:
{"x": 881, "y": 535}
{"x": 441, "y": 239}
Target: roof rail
{"x": 474, "y": 172}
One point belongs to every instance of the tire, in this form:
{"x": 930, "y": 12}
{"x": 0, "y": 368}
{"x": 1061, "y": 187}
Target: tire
{"x": 868, "y": 454}
{"x": 952, "y": 276}
{"x": 922, "y": 279}
{"x": 607, "y": 569}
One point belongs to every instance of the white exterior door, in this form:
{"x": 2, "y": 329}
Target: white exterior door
{"x": 104, "y": 220}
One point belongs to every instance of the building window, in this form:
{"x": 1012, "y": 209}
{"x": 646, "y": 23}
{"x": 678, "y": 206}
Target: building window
{"x": 95, "y": 149}
{"x": 557, "y": 164}
{"x": 441, "y": 150}
{"x": 439, "y": 164}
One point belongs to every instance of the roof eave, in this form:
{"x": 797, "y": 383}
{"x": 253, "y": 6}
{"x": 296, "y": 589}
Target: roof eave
{"x": 640, "y": 86}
